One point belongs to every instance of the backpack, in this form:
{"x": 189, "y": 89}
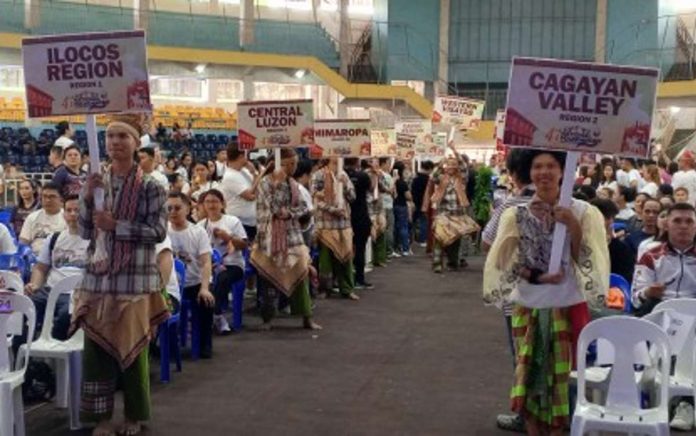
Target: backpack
{"x": 52, "y": 245}
{"x": 39, "y": 382}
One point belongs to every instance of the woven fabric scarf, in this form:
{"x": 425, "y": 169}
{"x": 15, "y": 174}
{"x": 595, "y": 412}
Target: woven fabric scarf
{"x": 111, "y": 256}
{"x": 279, "y": 227}
{"x": 329, "y": 191}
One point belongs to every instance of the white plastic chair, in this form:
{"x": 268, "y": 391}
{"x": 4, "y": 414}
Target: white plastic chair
{"x": 622, "y": 412}
{"x": 65, "y": 354}
{"x": 11, "y": 407}
{"x": 12, "y": 281}
{"x": 681, "y": 384}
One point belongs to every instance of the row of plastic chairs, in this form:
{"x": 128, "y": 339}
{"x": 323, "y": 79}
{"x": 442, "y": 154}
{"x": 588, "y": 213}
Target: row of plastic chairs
{"x": 621, "y": 384}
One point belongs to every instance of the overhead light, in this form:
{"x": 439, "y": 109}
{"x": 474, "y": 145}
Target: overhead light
{"x": 674, "y": 109}
{"x": 300, "y": 74}
{"x": 200, "y": 68}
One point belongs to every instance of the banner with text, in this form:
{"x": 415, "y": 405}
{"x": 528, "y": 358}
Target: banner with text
{"x": 269, "y": 124}
{"x": 87, "y": 73}
{"x": 383, "y": 142}
{"x": 341, "y": 138}
{"x": 421, "y": 129}
{"x": 577, "y": 106}
{"x": 462, "y": 113}
{"x": 405, "y": 146}
{"x": 500, "y": 147}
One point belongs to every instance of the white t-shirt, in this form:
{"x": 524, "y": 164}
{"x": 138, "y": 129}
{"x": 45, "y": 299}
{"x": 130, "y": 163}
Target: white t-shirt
{"x": 686, "y": 179}
{"x": 234, "y": 227}
{"x": 614, "y": 186}
{"x": 160, "y": 178}
{"x": 387, "y": 198}
{"x": 39, "y": 225}
{"x": 188, "y": 245}
{"x": 625, "y": 214}
{"x": 173, "y": 282}
{"x": 7, "y": 243}
{"x": 69, "y": 256}
{"x": 233, "y": 184}
{"x": 63, "y": 141}
{"x": 220, "y": 168}
{"x": 650, "y": 188}
{"x": 207, "y": 186}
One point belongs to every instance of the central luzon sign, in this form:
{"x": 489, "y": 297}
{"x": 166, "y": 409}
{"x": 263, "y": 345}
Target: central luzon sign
{"x": 459, "y": 112}
{"x": 86, "y": 73}
{"x": 270, "y": 124}
{"x": 341, "y": 138}
{"x": 577, "y": 106}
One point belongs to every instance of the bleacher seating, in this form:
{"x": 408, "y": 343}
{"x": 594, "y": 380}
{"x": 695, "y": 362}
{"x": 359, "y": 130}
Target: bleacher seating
{"x": 206, "y": 118}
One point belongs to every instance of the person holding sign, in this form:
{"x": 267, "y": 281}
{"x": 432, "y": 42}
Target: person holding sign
{"x": 378, "y": 218}
{"x": 449, "y": 201}
{"x": 279, "y": 254}
{"x": 332, "y": 192}
{"x": 119, "y": 303}
{"x": 516, "y": 271}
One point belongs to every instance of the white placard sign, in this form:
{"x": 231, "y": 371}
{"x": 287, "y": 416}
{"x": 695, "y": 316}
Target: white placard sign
{"x": 86, "y": 73}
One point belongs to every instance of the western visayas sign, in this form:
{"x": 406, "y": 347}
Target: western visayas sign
{"x": 268, "y": 124}
{"x": 462, "y": 113}
{"x": 87, "y": 73}
{"x": 576, "y": 106}
{"x": 341, "y": 138}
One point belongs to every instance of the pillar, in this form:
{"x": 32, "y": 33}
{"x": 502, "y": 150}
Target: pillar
{"x": 601, "y": 32}
{"x": 443, "y": 65}
{"x": 344, "y": 37}
{"x": 246, "y": 25}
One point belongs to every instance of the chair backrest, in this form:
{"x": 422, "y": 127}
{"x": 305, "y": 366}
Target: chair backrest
{"x": 11, "y": 304}
{"x": 684, "y": 365}
{"x": 12, "y": 281}
{"x": 618, "y": 281}
{"x": 180, "y": 268}
{"x": 624, "y": 333}
{"x": 65, "y": 286}
{"x": 216, "y": 257}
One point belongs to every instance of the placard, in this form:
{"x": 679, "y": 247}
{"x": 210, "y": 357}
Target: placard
{"x": 460, "y": 112}
{"x": 421, "y": 129}
{"x": 268, "y": 124}
{"x": 383, "y": 142}
{"x": 577, "y": 106}
{"x": 86, "y": 73}
{"x": 500, "y": 147}
{"x": 405, "y": 146}
{"x": 341, "y": 138}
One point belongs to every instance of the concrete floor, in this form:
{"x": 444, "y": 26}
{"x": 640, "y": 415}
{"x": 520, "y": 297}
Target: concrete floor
{"x": 418, "y": 355}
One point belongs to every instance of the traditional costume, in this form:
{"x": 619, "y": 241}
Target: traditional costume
{"x": 378, "y": 217}
{"x": 542, "y": 315}
{"x": 451, "y": 222}
{"x": 333, "y": 230}
{"x": 119, "y": 303}
{"x": 279, "y": 253}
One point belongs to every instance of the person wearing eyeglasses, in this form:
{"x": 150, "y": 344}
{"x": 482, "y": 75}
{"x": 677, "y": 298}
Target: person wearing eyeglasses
{"x": 190, "y": 244}
{"x": 45, "y": 221}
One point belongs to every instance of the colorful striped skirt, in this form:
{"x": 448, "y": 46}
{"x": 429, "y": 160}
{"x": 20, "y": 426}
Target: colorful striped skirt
{"x": 544, "y": 357}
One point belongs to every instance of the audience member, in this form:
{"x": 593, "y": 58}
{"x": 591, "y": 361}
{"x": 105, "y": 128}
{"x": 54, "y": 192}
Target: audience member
{"x": 45, "y": 221}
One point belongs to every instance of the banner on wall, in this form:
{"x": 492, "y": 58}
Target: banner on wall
{"x": 341, "y": 138}
{"x": 460, "y": 112}
{"x": 383, "y": 142}
{"x": 420, "y": 129}
{"x": 269, "y": 124}
{"x": 577, "y": 106}
{"x": 86, "y": 73}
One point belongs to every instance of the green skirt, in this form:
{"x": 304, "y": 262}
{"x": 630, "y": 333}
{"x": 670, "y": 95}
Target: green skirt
{"x": 544, "y": 359}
